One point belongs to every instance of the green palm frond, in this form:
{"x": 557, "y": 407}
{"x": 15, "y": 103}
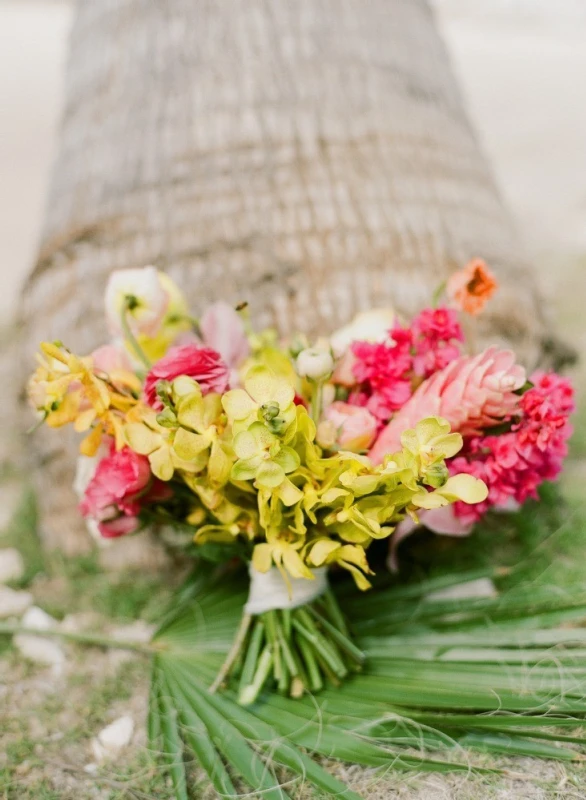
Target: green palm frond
{"x": 443, "y": 678}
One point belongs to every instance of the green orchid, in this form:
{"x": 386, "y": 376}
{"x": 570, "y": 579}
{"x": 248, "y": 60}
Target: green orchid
{"x": 262, "y": 457}
{"x": 348, "y": 556}
{"x": 462, "y": 487}
{"x": 265, "y": 398}
{"x": 431, "y": 441}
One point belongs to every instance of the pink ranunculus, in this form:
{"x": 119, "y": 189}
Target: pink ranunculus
{"x": 203, "y": 364}
{"x": 223, "y": 330}
{"x": 354, "y": 428}
{"x": 110, "y": 358}
{"x": 117, "y": 490}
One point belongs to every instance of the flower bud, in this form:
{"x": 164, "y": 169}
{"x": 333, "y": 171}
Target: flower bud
{"x": 315, "y": 363}
{"x": 167, "y": 419}
{"x": 436, "y": 475}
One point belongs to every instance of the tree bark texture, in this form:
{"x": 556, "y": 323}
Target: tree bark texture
{"x": 312, "y": 157}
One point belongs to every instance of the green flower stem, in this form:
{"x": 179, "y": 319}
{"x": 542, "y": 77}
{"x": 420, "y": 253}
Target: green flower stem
{"x": 250, "y": 662}
{"x": 321, "y": 646}
{"x": 316, "y": 400}
{"x": 325, "y": 643}
{"x": 233, "y": 654}
{"x": 293, "y": 650}
{"x": 341, "y": 640}
{"x": 287, "y": 622}
{"x": 334, "y": 613}
{"x": 250, "y": 692}
{"x": 315, "y": 679}
{"x": 285, "y": 642}
{"x": 284, "y": 680}
{"x": 131, "y": 339}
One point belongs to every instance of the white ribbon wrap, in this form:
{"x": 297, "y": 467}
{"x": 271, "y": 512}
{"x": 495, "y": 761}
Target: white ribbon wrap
{"x": 268, "y": 590}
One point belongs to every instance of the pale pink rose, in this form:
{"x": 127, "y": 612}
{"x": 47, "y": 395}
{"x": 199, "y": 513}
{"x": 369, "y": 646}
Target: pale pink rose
{"x": 203, "y": 364}
{"x": 223, "y": 330}
{"x": 353, "y": 428}
{"x": 110, "y": 358}
{"x": 344, "y": 370}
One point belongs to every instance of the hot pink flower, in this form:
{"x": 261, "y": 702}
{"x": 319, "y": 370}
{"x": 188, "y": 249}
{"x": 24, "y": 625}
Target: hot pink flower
{"x": 348, "y": 427}
{"x": 472, "y": 393}
{"x": 436, "y": 337}
{"x": 120, "y": 486}
{"x": 515, "y": 464}
{"x": 383, "y": 370}
{"x": 202, "y": 364}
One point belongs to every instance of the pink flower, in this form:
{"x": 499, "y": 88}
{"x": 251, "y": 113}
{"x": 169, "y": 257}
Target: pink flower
{"x": 383, "y": 370}
{"x": 347, "y": 427}
{"x": 516, "y": 463}
{"x": 472, "y": 393}
{"x": 120, "y": 486}
{"x": 202, "y": 364}
{"x": 223, "y": 330}
{"x": 439, "y": 324}
{"x": 436, "y": 336}
{"x": 110, "y": 358}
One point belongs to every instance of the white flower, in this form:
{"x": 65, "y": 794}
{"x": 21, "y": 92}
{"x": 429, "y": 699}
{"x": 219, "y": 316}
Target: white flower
{"x": 315, "y": 363}
{"x": 368, "y": 326}
{"x": 143, "y": 293}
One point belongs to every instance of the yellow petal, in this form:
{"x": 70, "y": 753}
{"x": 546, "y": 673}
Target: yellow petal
{"x": 294, "y": 565}
{"x": 321, "y": 550}
{"x": 91, "y": 443}
{"x": 238, "y": 405}
{"x": 188, "y": 445}
{"x": 142, "y": 439}
{"x": 161, "y": 463}
{"x": 466, "y": 488}
{"x": 262, "y": 558}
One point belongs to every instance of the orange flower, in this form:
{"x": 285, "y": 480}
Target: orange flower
{"x": 470, "y": 288}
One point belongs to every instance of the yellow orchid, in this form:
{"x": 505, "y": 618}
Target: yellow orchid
{"x": 348, "y": 556}
{"x": 146, "y": 436}
{"x": 262, "y": 457}
{"x": 463, "y": 487}
{"x": 66, "y": 390}
{"x": 431, "y": 441}
{"x": 282, "y": 549}
{"x": 264, "y": 398}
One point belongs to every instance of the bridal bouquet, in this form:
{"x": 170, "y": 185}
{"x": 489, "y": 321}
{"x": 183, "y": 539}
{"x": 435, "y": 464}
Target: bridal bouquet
{"x": 295, "y": 456}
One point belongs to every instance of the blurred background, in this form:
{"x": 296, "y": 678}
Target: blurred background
{"x": 521, "y": 64}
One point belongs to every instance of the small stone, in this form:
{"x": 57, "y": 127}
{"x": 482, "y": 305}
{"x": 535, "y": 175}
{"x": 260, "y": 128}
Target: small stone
{"x": 13, "y": 603}
{"x": 480, "y": 588}
{"x": 37, "y": 619}
{"x": 38, "y": 648}
{"x": 11, "y": 565}
{"x": 91, "y": 769}
{"x": 113, "y": 738}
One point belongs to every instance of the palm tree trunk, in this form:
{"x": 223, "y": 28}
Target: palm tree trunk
{"x": 310, "y": 156}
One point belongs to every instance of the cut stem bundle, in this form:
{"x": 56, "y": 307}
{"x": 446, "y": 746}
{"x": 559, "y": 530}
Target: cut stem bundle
{"x": 297, "y": 649}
